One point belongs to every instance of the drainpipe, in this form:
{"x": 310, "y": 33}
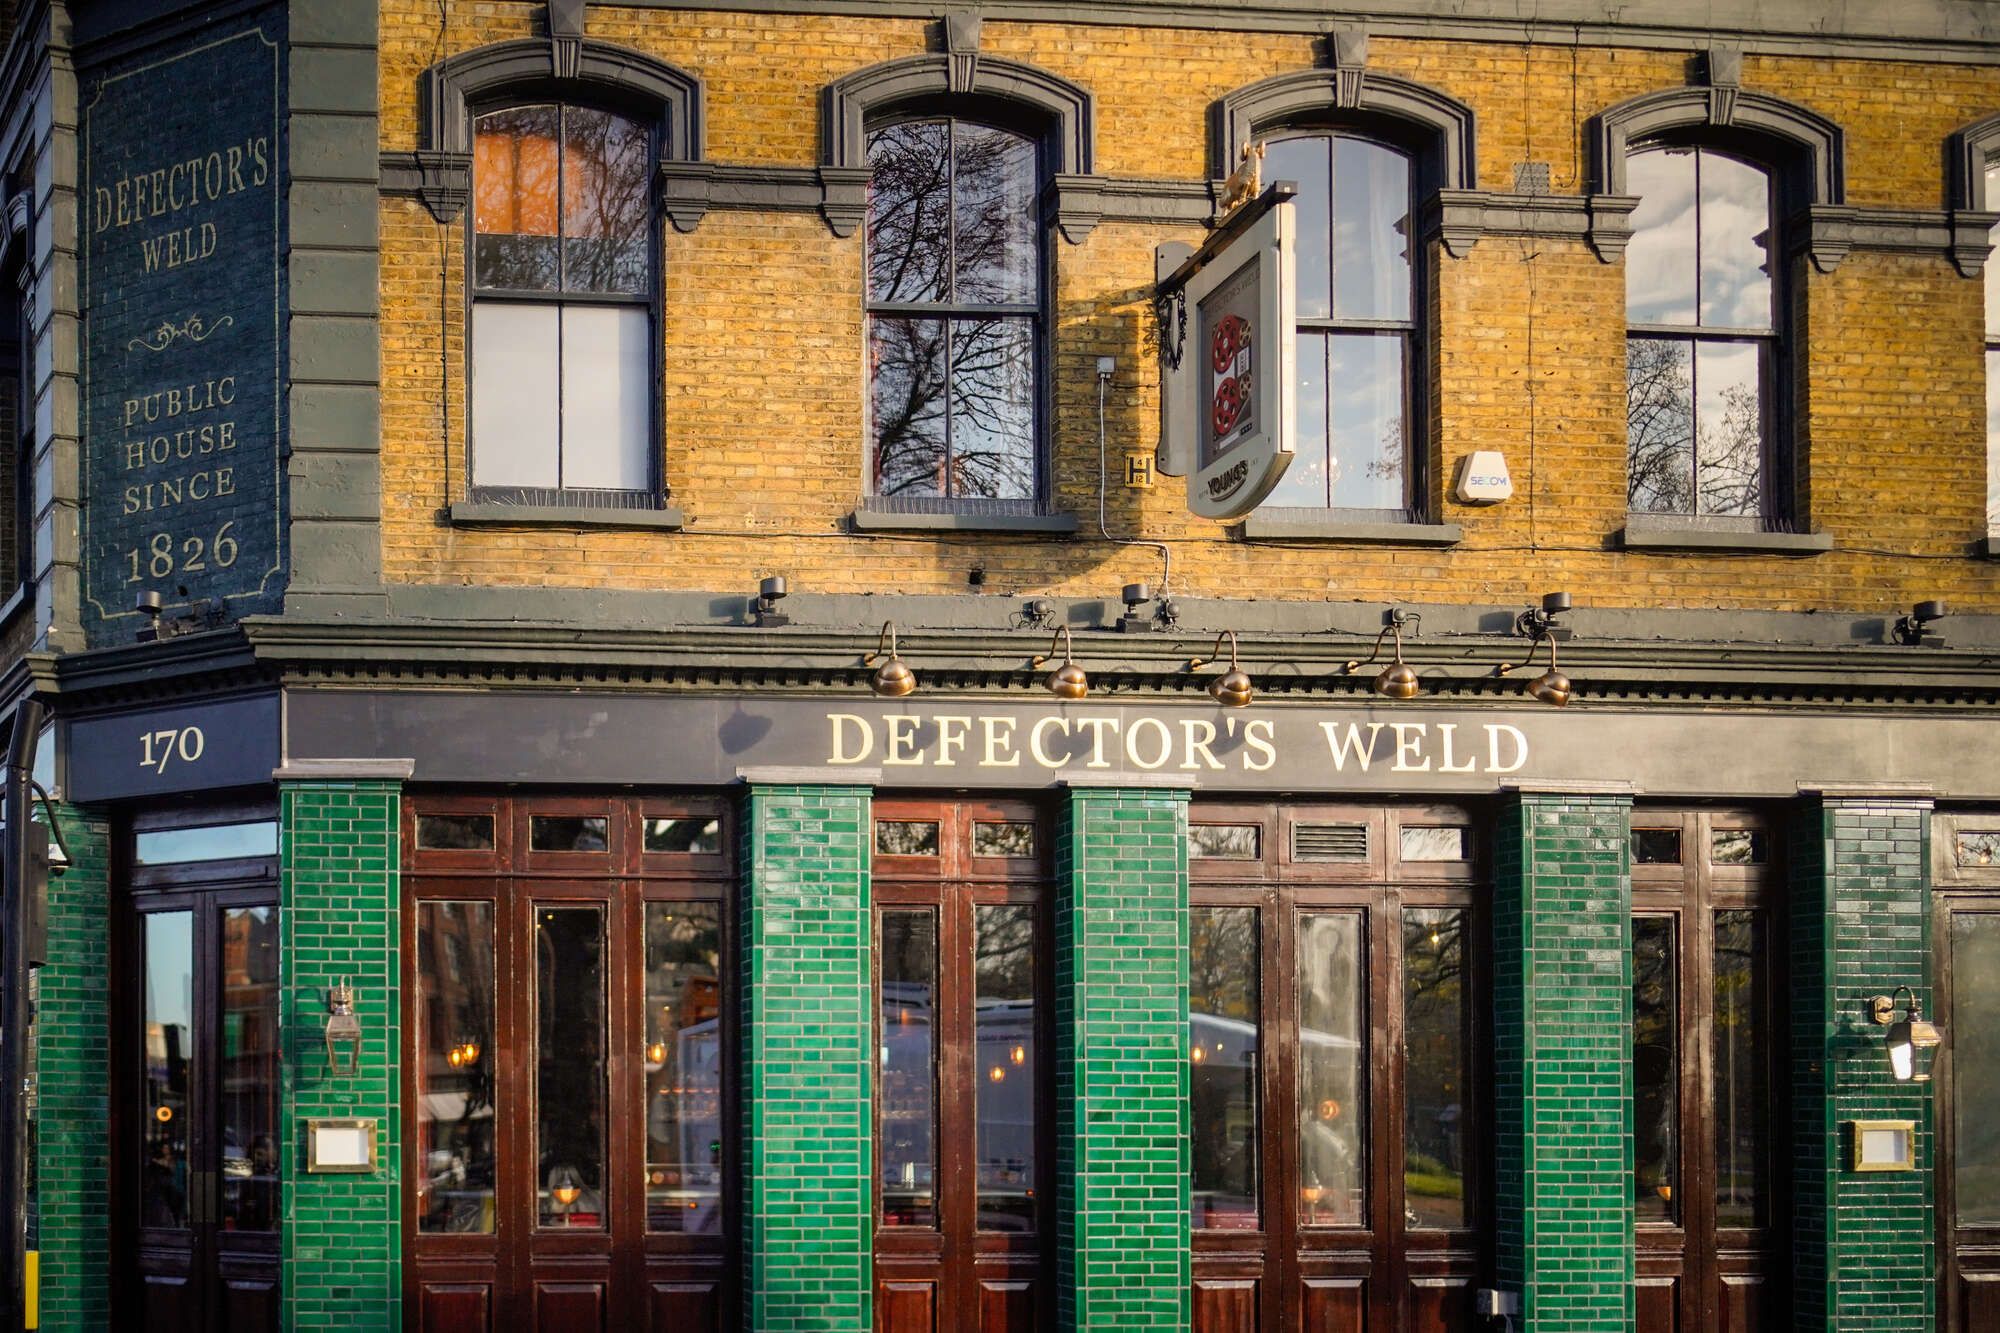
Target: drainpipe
{"x": 15, "y": 800}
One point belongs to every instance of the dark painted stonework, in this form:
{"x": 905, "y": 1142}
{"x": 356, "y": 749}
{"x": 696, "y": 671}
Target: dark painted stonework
{"x": 183, "y": 414}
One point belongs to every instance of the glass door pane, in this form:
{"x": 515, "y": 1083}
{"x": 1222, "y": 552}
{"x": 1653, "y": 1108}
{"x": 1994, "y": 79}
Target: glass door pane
{"x": 1332, "y": 985}
{"x": 909, "y": 1069}
{"x": 569, "y": 1074}
{"x": 247, "y": 1052}
{"x": 1436, "y": 1064}
{"x": 1974, "y": 1029}
{"x": 1004, "y": 1070}
{"x": 168, "y": 1070}
{"x": 1223, "y": 1066}
{"x": 457, "y": 1101}
{"x": 1742, "y": 1065}
{"x": 1655, "y": 1069}
{"x": 683, "y": 1058}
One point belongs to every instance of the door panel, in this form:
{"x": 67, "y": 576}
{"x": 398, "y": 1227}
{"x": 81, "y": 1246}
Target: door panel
{"x": 1658, "y": 1304}
{"x": 906, "y": 1307}
{"x": 674, "y": 1306}
{"x": 1225, "y": 1305}
{"x": 169, "y": 1305}
{"x": 1004, "y": 1306}
{"x": 1334, "y": 1305}
{"x": 249, "y": 1303}
{"x": 1978, "y": 1302}
{"x": 1743, "y": 1304}
{"x": 1441, "y": 1305}
{"x": 569, "y": 1307}
{"x": 457, "y": 1307}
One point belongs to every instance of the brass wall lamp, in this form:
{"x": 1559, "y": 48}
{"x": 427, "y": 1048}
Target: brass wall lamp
{"x": 343, "y": 1031}
{"x": 1068, "y": 680}
{"x": 1231, "y": 689}
{"x": 893, "y": 679}
{"x": 1907, "y": 1035}
{"x": 1552, "y": 686}
{"x": 1398, "y": 680}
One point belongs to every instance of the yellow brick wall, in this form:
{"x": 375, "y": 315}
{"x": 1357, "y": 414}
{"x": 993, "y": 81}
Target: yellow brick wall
{"x": 762, "y": 345}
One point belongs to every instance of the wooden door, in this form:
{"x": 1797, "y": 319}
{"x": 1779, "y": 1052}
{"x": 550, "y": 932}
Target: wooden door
{"x": 1708, "y": 1088}
{"x": 197, "y": 1132}
{"x": 963, "y": 1095}
{"x": 567, "y": 1054}
{"x": 1338, "y": 1090}
{"x": 1966, "y": 939}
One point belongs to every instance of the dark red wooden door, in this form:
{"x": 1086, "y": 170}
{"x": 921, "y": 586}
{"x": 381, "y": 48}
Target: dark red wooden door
{"x": 1965, "y": 935}
{"x": 566, "y": 1049}
{"x": 1338, "y": 1092}
{"x": 962, "y": 1102}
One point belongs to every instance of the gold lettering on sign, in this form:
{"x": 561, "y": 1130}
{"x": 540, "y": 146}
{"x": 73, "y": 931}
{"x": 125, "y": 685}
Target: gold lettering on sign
{"x": 1054, "y": 742}
{"x": 174, "y": 189}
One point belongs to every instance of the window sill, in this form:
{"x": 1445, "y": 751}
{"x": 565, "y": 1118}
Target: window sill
{"x": 477, "y": 514}
{"x": 1325, "y": 528}
{"x": 1668, "y": 540}
{"x": 885, "y": 520}
{"x": 1989, "y": 548}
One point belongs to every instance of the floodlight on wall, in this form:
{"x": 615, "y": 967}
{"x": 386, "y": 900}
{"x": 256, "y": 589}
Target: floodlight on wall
{"x": 1068, "y": 680}
{"x": 1232, "y": 688}
{"x": 1541, "y": 625}
{"x": 1914, "y": 629}
{"x": 893, "y": 679}
{"x": 1907, "y": 1035}
{"x": 770, "y": 592}
{"x": 1398, "y": 680}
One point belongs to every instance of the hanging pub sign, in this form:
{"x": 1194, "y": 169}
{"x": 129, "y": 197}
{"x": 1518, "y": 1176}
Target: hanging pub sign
{"x": 1227, "y": 341}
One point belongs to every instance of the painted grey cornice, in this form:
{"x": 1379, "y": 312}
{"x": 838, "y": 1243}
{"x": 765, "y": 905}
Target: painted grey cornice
{"x": 1461, "y": 217}
{"x": 1954, "y": 30}
{"x": 1829, "y": 233}
{"x": 447, "y": 655}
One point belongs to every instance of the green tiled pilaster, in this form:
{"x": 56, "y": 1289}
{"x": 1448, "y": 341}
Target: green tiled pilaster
{"x": 808, "y": 1144}
{"x": 1121, "y": 955}
{"x": 339, "y": 914}
{"x": 73, "y": 1075}
{"x": 1863, "y": 1246}
{"x": 1562, "y": 981}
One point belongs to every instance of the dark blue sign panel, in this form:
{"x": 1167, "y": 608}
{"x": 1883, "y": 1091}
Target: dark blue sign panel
{"x": 183, "y": 308}
{"x": 166, "y": 751}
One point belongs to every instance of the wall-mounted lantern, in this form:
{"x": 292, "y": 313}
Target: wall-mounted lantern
{"x": 343, "y": 1031}
{"x": 1907, "y": 1035}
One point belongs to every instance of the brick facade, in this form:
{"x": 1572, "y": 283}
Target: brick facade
{"x": 805, "y": 958}
{"x": 1562, "y": 1005}
{"x": 1527, "y": 343}
{"x": 1121, "y": 1061}
{"x": 340, "y": 917}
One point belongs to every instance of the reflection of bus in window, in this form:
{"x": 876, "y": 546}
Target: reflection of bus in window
{"x": 909, "y": 1099}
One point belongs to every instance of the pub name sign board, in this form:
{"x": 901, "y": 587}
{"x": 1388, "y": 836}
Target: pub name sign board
{"x": 181, "y": 194}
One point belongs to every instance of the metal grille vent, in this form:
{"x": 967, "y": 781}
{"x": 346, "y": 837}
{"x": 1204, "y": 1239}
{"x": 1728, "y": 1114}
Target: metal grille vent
{"x": 1329, "y": 842}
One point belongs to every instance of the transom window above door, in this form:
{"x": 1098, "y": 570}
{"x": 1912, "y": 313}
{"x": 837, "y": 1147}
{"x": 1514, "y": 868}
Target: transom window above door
{"x": 562, "y": 339}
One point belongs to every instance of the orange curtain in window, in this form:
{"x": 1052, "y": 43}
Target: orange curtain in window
{"x": 514, "y": 166}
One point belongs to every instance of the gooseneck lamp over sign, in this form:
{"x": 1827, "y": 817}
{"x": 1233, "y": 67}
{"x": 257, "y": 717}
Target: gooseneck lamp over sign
{"x": 893, "y": 679}
{"x": 1068, "y": 680}
{"x": 1232, "y": 688}
{"x": 1398, "y": 680}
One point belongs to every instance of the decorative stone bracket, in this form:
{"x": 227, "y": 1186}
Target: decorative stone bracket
{"x": 1460, "y": 217}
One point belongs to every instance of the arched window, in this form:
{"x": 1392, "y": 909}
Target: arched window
{"x": 955, "y": 313}
{"x": 1357, "y": 344}
{"x": 1703, "y": 303}
{"x": 562, "y": 336}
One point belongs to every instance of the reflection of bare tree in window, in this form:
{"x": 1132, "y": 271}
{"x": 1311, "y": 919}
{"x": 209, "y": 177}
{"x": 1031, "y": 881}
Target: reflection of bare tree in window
{"x": 1731, "y": 454}
{"x": 1388, "y": 461}
{"x": 954, "y": 292}
{"x": 1659, "y": 425}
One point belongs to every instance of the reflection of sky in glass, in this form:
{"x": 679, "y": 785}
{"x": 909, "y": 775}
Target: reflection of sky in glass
{"x": 1371, "y": 206}
{"x": 1308, "y": 162}
{"x": 993, "y": 186}
{"x": 1699, "y": 238}
{"x": 1993, "y": 270}
{"x": 1975, "y": 1012}
{"x": 1735, "y": 228}
{"x": 216, "y": 842}
{"x": 169, "y": 974}
{"x": 1993, "y": 440}
{"x": 1729, "y": 431}
{"x": 993, "y": 408}
{"x": 1660, "y": 258}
